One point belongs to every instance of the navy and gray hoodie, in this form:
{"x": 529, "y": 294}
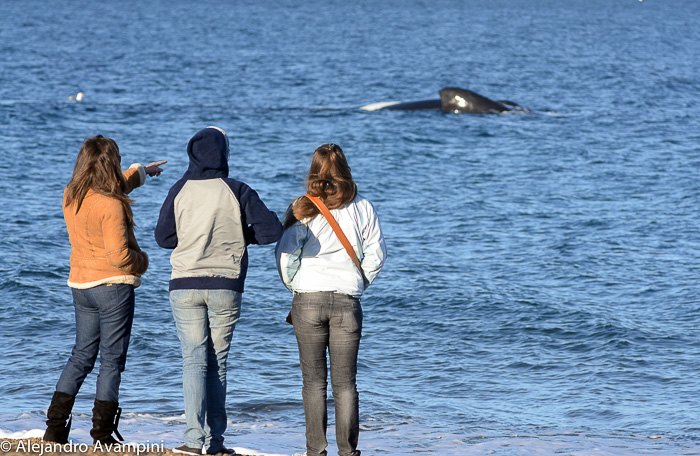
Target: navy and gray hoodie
{"x": 209, "y": 220}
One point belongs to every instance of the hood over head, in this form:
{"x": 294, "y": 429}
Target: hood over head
{"x": 208, "y": 151}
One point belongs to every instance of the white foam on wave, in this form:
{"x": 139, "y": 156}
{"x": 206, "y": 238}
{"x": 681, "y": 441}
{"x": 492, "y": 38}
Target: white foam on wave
{"x": 264, "y": 438}
{"x": 18, "y": 435}
{"x": 161, "y": 430}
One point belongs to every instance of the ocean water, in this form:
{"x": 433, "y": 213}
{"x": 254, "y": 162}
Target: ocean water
{"x": 541, "y": 290}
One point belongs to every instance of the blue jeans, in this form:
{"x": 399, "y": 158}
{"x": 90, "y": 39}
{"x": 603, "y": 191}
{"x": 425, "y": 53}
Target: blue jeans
{"x": 333, "y": 321}
{"x": 103, "y": 319}
{"x": 205, "y": 320}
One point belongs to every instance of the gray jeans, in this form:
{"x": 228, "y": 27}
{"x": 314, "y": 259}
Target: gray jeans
{"x": 333, "y": 321}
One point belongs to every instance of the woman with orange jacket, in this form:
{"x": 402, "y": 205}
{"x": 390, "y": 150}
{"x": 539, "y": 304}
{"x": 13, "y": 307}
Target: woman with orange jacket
{"x": 106, "y": 264}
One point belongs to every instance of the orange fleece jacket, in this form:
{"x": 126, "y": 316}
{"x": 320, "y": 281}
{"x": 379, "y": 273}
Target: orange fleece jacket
{"x": 103, "y": 249}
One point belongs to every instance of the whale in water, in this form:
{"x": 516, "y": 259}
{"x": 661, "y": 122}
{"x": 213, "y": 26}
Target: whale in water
{"x": 454, "y": 100}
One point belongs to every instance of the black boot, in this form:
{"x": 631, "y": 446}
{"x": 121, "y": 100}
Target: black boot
{"x": 105, "y": 419}
{"x": 59, "y": 418}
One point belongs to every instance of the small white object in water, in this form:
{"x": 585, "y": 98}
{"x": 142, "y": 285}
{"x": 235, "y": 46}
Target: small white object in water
{"x": 78, "y": 97}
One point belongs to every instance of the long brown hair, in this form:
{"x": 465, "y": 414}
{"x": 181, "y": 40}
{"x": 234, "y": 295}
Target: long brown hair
{"x": 330, "y": 179}
{"x": 98, "y": 167}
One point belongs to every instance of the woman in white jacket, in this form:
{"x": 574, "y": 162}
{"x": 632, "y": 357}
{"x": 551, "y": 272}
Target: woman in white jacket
{"x": 327, "y": 287}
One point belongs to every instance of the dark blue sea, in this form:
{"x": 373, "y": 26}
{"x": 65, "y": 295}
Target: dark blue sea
{"x": 541, "y": 293}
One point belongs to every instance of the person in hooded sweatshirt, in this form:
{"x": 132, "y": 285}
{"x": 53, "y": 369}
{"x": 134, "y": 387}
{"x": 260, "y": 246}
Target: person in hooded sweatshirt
{"x": 209, "y": 219}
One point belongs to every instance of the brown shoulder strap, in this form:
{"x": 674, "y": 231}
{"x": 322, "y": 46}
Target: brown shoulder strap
{"x": 338, "y": 231}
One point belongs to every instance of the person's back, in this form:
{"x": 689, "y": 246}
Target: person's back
{"x": 323, "y": 264}
{"x": 211, "y": 243}
{"x": 97, "y": 233}
{"x": 208, "y": 219}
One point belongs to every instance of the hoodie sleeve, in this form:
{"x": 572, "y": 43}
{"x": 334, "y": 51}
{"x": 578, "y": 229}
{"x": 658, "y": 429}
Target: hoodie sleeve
{"x": 260, "y": 225}
{"x": 166, "y": 229}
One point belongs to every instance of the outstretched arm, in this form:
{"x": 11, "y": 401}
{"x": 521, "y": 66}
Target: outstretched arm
{"x": 261, "y": 225}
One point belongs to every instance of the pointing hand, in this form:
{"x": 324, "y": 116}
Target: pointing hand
{"x": 154, "y": 169}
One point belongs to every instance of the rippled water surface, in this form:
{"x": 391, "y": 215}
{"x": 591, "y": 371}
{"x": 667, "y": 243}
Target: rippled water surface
{"x": 541, "y": 292}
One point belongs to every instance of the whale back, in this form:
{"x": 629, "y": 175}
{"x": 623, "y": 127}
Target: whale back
{"x": 456, "y": 100}
{"x": 414, "y": 105}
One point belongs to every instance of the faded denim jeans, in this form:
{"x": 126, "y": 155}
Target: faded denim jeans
{"x": 103, "y": 318}
{"x": 332, "y": 321}
{"x": 205, "y": 320}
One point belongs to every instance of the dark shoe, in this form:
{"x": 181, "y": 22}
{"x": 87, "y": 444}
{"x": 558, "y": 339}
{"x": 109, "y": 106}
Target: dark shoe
{"x": 59, "y": 418}
{"x": 105, "y": 420}
{"x": 224, "y": 451}
{"x": 184, "y": 449}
